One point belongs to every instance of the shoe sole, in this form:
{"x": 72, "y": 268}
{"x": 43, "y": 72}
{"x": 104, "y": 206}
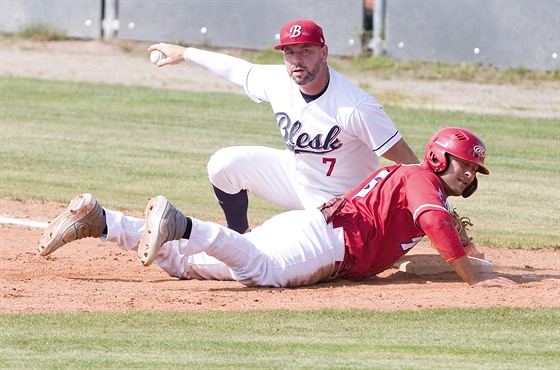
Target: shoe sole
{"x": 53, "y": 238}
{"x": 155, "y": 232}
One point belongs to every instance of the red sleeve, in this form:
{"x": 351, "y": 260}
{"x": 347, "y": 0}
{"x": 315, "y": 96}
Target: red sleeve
{"x": 440, "y": 228}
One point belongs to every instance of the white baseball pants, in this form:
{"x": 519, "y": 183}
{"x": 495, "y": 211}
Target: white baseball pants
{"x": 295, "y": 248}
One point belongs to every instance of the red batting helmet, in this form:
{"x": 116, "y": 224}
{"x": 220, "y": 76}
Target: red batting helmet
{"x": 462, "y": 144}
{"x": 458, "y": 142}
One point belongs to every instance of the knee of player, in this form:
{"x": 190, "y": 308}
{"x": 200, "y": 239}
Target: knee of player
{"x": 220, "y": 163}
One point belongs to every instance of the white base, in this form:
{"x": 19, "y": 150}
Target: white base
{"x": 430, "y": 264}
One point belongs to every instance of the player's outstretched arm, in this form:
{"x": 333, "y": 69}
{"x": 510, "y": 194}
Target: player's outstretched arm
{"x": 440, "y": 228}
{"x": 225, "y": 66}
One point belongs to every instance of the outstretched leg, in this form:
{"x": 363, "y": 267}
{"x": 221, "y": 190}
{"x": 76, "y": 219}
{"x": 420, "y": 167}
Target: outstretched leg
{"x": 292, "y": 249}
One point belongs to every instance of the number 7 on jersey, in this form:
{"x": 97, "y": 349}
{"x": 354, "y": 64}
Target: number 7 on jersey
{"x": 332, "y": 162}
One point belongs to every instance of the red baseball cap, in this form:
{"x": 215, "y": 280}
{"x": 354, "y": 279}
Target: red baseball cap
{"x": 302, "y": 31}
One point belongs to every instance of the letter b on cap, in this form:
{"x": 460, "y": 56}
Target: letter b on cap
{"x": 295, "y": 31}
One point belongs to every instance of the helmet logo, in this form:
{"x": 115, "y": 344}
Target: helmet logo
{"x": 479, "y": 151}
{"x": 459, "y": 136}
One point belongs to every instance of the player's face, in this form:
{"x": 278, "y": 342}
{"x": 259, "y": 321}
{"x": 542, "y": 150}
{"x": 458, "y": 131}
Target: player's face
{"x": 304, "y": 62}
{"x": 458, "y": 175}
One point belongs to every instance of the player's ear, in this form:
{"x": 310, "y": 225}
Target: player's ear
{"x": 325, "y": 51}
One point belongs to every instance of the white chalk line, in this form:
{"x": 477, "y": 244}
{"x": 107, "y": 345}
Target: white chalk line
{"x": 23, "y": 222}
{"x": 535, "y": 277}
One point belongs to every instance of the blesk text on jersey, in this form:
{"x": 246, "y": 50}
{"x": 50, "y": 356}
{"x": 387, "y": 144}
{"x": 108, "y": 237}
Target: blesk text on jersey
{"x": 303, "y": 142}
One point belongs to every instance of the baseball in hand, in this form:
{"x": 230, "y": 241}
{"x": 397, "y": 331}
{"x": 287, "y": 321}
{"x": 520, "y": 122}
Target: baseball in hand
{"x": 156, "y": 56}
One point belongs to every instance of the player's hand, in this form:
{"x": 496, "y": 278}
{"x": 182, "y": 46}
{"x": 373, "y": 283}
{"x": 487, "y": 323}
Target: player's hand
{"x": 471, "y": 251}
{"x": 464, "y": 269}
{"x": 172, "y": 54}
{"x": 495, "y": 281}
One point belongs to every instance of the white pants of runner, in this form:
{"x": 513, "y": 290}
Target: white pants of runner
{"x": 266, "y": 172}
{"x": 295, "y": 248}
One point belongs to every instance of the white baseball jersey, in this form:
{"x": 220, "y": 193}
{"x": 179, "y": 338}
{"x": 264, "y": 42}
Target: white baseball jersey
{"x": 336, "y": 139}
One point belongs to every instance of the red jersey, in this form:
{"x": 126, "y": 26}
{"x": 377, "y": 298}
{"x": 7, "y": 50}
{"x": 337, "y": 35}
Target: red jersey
{"x": 380, "y": 218}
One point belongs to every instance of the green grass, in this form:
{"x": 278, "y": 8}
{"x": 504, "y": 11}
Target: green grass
{"x": 122, "y": 144}
{"x": 500, "y": 338}
{"x": 127, "y": 144}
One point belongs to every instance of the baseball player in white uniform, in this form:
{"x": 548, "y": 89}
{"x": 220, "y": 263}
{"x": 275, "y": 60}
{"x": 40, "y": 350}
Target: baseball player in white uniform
{"x": 334, "y": 131}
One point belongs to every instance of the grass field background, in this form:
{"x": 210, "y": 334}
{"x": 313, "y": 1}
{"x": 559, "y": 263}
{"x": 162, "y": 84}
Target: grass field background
{"x": 127, "y": 144}
{"x": 331, "y": 339}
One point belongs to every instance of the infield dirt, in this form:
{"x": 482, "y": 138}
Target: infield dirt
{"x": 92, "y": 276}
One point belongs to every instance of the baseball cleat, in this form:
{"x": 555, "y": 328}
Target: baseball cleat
{"x": 163, "y": 223}
{"x": 83, "y": 218}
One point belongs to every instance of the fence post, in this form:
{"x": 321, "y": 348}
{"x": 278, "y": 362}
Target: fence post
{"x": 378, "y": 26}
{"x": 110, "y": 21}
